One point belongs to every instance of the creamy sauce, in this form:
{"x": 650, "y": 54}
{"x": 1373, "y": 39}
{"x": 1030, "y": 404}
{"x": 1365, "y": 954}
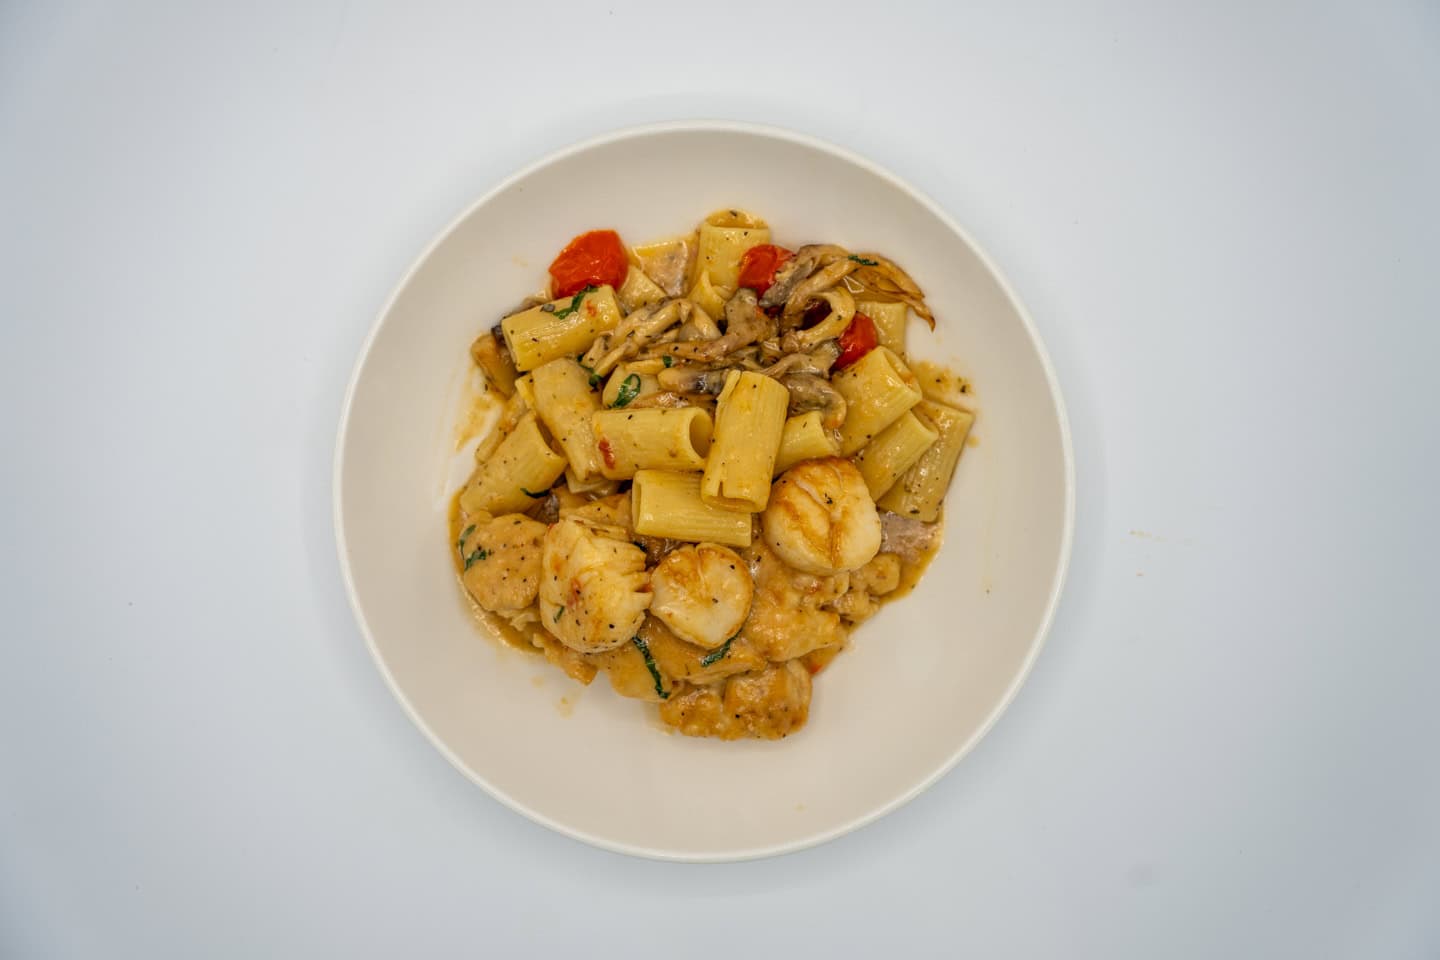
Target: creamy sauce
{"x": 943, "y": 385}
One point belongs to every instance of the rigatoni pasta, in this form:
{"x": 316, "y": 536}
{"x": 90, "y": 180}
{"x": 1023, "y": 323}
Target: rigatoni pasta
{"x": 890, "y": 322}
{"x": 805, "y": 438}
{"x": 518, "y": 473}
{"x": 894, "y": 450}
{"x": 566, "y": 404}
{"x": 668, "y": 504}
{"x": 724, "y": 238}
{"x": 560, "y": 328}
{"x": 749, "y": 420}
{"x": 651, "y": 438}
{"x": 920, "y": 491}
{"x": 877, "y": 388}
{"x": 729, "y": 457}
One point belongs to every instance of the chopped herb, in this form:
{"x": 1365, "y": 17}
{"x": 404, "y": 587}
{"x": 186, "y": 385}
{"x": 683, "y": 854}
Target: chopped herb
{"x": 464, "y": 534}
{"x": 575, "y": 302}
{"x": 480, "y": 554}
{"x": 857, "y": 259}
{"x": 594, "y": 377}
{"x": 650, "y": 665}
{"x": 629, "y": 390}
{"x": 558, "y": 614}
{"x": 535, "y": 496}
{"x": 667, "y": 360}
{"x": 718, "y": 654}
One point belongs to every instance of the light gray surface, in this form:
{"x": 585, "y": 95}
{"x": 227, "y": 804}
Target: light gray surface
{"x": 1225, "y": 225}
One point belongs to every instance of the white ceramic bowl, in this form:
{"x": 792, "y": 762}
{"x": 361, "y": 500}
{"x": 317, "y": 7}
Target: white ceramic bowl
{"x": 921, "y": 683}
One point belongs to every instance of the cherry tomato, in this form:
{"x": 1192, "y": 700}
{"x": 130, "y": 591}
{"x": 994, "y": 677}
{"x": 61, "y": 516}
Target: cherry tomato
{"x": 759, "y": 264}
{"x": 858, "y": 339}
{"x": 591, "y": 259}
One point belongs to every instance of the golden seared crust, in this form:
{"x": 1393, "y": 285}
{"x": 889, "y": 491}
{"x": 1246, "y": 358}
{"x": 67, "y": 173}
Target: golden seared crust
{"x": 702, "y": 593}
{"x": 821, "y": 518}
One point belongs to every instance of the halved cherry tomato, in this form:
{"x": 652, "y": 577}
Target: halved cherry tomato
{"x": 759, "y": 264}
{"x": 591, "y": 259}
{"x": 858, "y": 339}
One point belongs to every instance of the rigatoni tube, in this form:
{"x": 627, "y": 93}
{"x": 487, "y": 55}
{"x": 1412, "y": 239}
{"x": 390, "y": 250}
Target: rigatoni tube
{"x": 560, "y": 328}
{"x": 896, "y": 449}
{"x": 749, "y": 421}
{"x": 804, "y": 438}
{"x": 919, "y": 492}
{"x": 668, "y": 504}
{"x": 651, "y": 438}
{"x": 520, "y": 470}
{"x": 890, "y": 320}
{"x": 877, "y": 389}
{"x": 566, "y": 403}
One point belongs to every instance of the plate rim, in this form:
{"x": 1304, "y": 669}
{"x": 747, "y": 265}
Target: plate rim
{"x": 1052, "y": 382}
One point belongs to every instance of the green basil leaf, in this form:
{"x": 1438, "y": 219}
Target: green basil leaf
{"x": 644, "y": 649}
{"x": 629, "y": 390}
{"x": 717, "y": 654}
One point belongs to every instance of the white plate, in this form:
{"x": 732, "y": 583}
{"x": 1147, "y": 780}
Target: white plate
{"x": 921, "y": 683}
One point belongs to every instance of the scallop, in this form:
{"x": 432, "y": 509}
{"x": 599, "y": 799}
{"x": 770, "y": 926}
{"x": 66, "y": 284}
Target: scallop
{"x": 594, "y": 590}
{"x": 702, "y": 593}
{"x": 821, "y": 518}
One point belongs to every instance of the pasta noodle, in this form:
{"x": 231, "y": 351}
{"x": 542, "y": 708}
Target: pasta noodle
{"x": 710, "y": 299}
{"x": 560, "y": 328}
{"x": 566, "y": 405}
{"x": 890, "y": 322}
{"x": 877, "y": 388}
{"x": 749, "y": 421}
{"x": 804, "y": 438}
{"x": 520, "y": 468}
{"x": 638, "y": 291}
{"x": 724, "y": 238}
{"x": 652, "y": 437}
{"x": 620, "y": 385}
{"x": 893, "y": 451}
{"x": 919, "y": 492}
{"x": 666, "y": 504}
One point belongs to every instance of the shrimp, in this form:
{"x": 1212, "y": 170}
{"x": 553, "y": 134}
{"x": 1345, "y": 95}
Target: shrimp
{"x": 821, "y": 518}
{"x": 500, "y": 560}
{"x": 593, "y": 590}
{"x": 702, "y": 593}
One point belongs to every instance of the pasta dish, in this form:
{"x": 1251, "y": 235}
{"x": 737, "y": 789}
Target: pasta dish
{"x": 712, "y": 460}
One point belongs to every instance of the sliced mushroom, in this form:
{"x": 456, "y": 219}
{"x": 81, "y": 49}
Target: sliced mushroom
{"x": 744, "y": 325}
{"x": 810, "y": 392}
{"x": 881, "y": 275}
{"x": 635, "y": 332}
{"x": 806, "y": 261}
{"x": 817, "y": 362}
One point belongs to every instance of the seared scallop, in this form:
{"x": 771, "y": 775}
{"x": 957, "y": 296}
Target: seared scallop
{"x": 593, "y": 589}
{"x": 821, "y": 518}
{"x": 702, "y": 593}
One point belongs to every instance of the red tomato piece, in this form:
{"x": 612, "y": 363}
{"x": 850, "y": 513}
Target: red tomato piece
{"x": 858, "y": 339}
{"x": 592, "y": 259}
{"x": 759, "y": 264}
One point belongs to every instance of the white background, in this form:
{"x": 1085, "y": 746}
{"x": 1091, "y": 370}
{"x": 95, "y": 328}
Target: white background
{"x": 1225, "y": 220}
